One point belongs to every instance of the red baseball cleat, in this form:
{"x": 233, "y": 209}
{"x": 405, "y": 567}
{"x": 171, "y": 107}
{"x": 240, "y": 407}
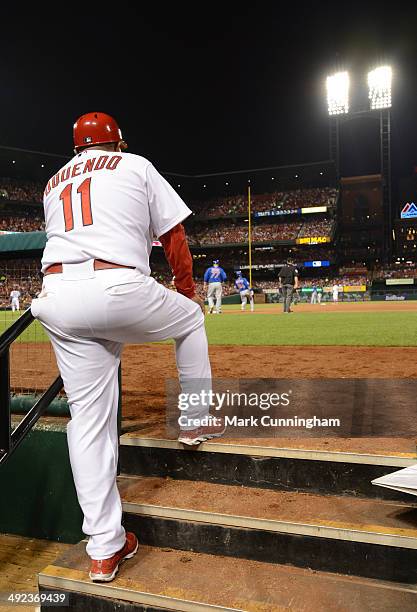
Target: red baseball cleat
{"x": 105, "y": 570}
{"x": 201, "y": 434}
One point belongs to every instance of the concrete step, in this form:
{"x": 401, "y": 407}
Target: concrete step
{"x": 166, "y": 579}
{"x": 264, "y": 464}
{"x": 365, "y": 537}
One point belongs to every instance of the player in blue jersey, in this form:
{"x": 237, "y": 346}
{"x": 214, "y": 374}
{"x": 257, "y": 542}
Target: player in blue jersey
{"x": 213, "y": 279}
{"x": 245, "y": 290}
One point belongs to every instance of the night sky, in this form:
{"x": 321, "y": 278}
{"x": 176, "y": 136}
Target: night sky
{"x": 209, "y": 90}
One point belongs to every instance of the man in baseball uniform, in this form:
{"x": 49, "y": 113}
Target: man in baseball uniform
{"x": 245, "y": 291}
{"x": 14, "y": 299}
{"x": 335, "y": 291}
{"x": 102, "y": 210}
{"x": 213, "y": 279}
{"x": 319, "y": 293}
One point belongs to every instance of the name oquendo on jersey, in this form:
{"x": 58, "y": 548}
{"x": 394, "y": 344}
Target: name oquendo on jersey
{"x": 105, "y": 205}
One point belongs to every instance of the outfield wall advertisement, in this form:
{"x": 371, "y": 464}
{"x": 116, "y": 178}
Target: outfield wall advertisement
{"x": 399, "y": 281}
{"x": 313, "y": 240}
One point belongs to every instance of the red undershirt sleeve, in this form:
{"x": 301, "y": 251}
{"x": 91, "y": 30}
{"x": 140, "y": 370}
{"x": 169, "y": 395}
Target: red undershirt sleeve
{"x": 179, "y": 258}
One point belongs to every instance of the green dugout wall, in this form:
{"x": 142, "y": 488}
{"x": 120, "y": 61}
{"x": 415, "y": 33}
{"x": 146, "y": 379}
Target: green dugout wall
{"x": 21, "y": 242}
{"x": 38, "y": 494}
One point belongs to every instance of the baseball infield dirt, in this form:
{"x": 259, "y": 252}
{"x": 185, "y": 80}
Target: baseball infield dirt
{"x": 389, "y": 306}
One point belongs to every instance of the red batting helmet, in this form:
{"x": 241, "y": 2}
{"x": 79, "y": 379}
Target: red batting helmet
{"x": 96, "y": 128}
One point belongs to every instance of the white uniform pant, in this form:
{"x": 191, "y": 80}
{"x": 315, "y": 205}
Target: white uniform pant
{"x": 335, "y": 296}
{"x": 244, "y": 295}
{"x": 314, "y": 297}
{"x": 215, "y": 291}
{"x": 15, "y": 304}
{"x": 88, "y": 316}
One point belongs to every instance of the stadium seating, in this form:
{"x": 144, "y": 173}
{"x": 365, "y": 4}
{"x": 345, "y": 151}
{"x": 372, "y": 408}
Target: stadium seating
{"x": 20, "y": 191}
{"x": 286, "y": 200}
{"x": 24, "y": 274}
{"x": 396, "y": 271}
{"x": 29, "y": 223}
{"x": 225, "y": 233}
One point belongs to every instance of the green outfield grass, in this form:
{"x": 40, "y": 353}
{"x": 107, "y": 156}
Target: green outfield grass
{"x": 317, "y": 328}
{"x": 34, "y": 333}
{"x": 384, "y": 328}
{"x": 373, "y": 328}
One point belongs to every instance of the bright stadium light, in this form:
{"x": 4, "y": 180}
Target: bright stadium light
{"x": 379, "y": 83}
{"x": 338, "y": 93}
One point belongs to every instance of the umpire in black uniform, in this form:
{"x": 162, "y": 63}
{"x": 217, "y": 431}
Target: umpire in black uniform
{"x": 288, "y": 282}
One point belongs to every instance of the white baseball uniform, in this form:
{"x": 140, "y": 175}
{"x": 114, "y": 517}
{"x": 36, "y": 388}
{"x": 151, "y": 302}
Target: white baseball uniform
{"x": 107, "y": 206}
{"x": 335, "y": 293}
{"x": 215, "y": 292}
{"x": 14, "y": 297}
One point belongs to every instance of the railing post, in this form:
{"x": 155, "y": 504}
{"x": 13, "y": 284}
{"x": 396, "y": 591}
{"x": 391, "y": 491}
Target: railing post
{"x": 5, "y": 412}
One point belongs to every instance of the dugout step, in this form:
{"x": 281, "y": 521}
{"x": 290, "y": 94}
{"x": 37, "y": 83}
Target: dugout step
{"x": 140, "y": 433}
{"x": 264, "y": 466}
{"x": 166, "y": 579}
{"x": 371, "y": 538}
{"x": 387, "y": 451}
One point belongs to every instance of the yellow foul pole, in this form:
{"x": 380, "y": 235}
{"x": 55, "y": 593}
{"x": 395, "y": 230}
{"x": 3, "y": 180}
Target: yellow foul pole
{"x": 250, "y": 237}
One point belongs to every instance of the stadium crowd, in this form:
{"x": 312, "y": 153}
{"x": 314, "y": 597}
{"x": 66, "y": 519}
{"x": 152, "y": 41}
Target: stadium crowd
{"x": 21, "y": 274}
{"x": 27, "y": 223}
{"x": 285, "y": 200}
{"x": 231, "y": 233}
{"x": 20, "y": 191}
{"x": 317, "y": 196}
{"x": 399, "y": 270}
{"x": 338, "y": 280}
{"x": 316, "y": 227}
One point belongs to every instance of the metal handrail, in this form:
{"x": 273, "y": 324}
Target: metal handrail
{"x": 10, "y": 440}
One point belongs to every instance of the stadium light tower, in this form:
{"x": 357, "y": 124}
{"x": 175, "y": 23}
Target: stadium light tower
{"x": 380, "y": 100}
{"x": 337, "y": 87}
{"x": 379, "y": 83}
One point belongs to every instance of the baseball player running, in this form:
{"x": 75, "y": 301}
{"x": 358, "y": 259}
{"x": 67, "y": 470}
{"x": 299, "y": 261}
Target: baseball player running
{"x": 101, "y": 210}
{"x": 213, "y": 279}
{"x": 245, "y": 290}
{"x": 15, "y": 299}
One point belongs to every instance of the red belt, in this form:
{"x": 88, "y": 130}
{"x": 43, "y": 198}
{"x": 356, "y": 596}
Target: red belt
{"x": 99, "y": 264}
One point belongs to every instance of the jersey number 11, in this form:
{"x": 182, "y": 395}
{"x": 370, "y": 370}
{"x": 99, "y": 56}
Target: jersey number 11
{"x": 66, "y": 197}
